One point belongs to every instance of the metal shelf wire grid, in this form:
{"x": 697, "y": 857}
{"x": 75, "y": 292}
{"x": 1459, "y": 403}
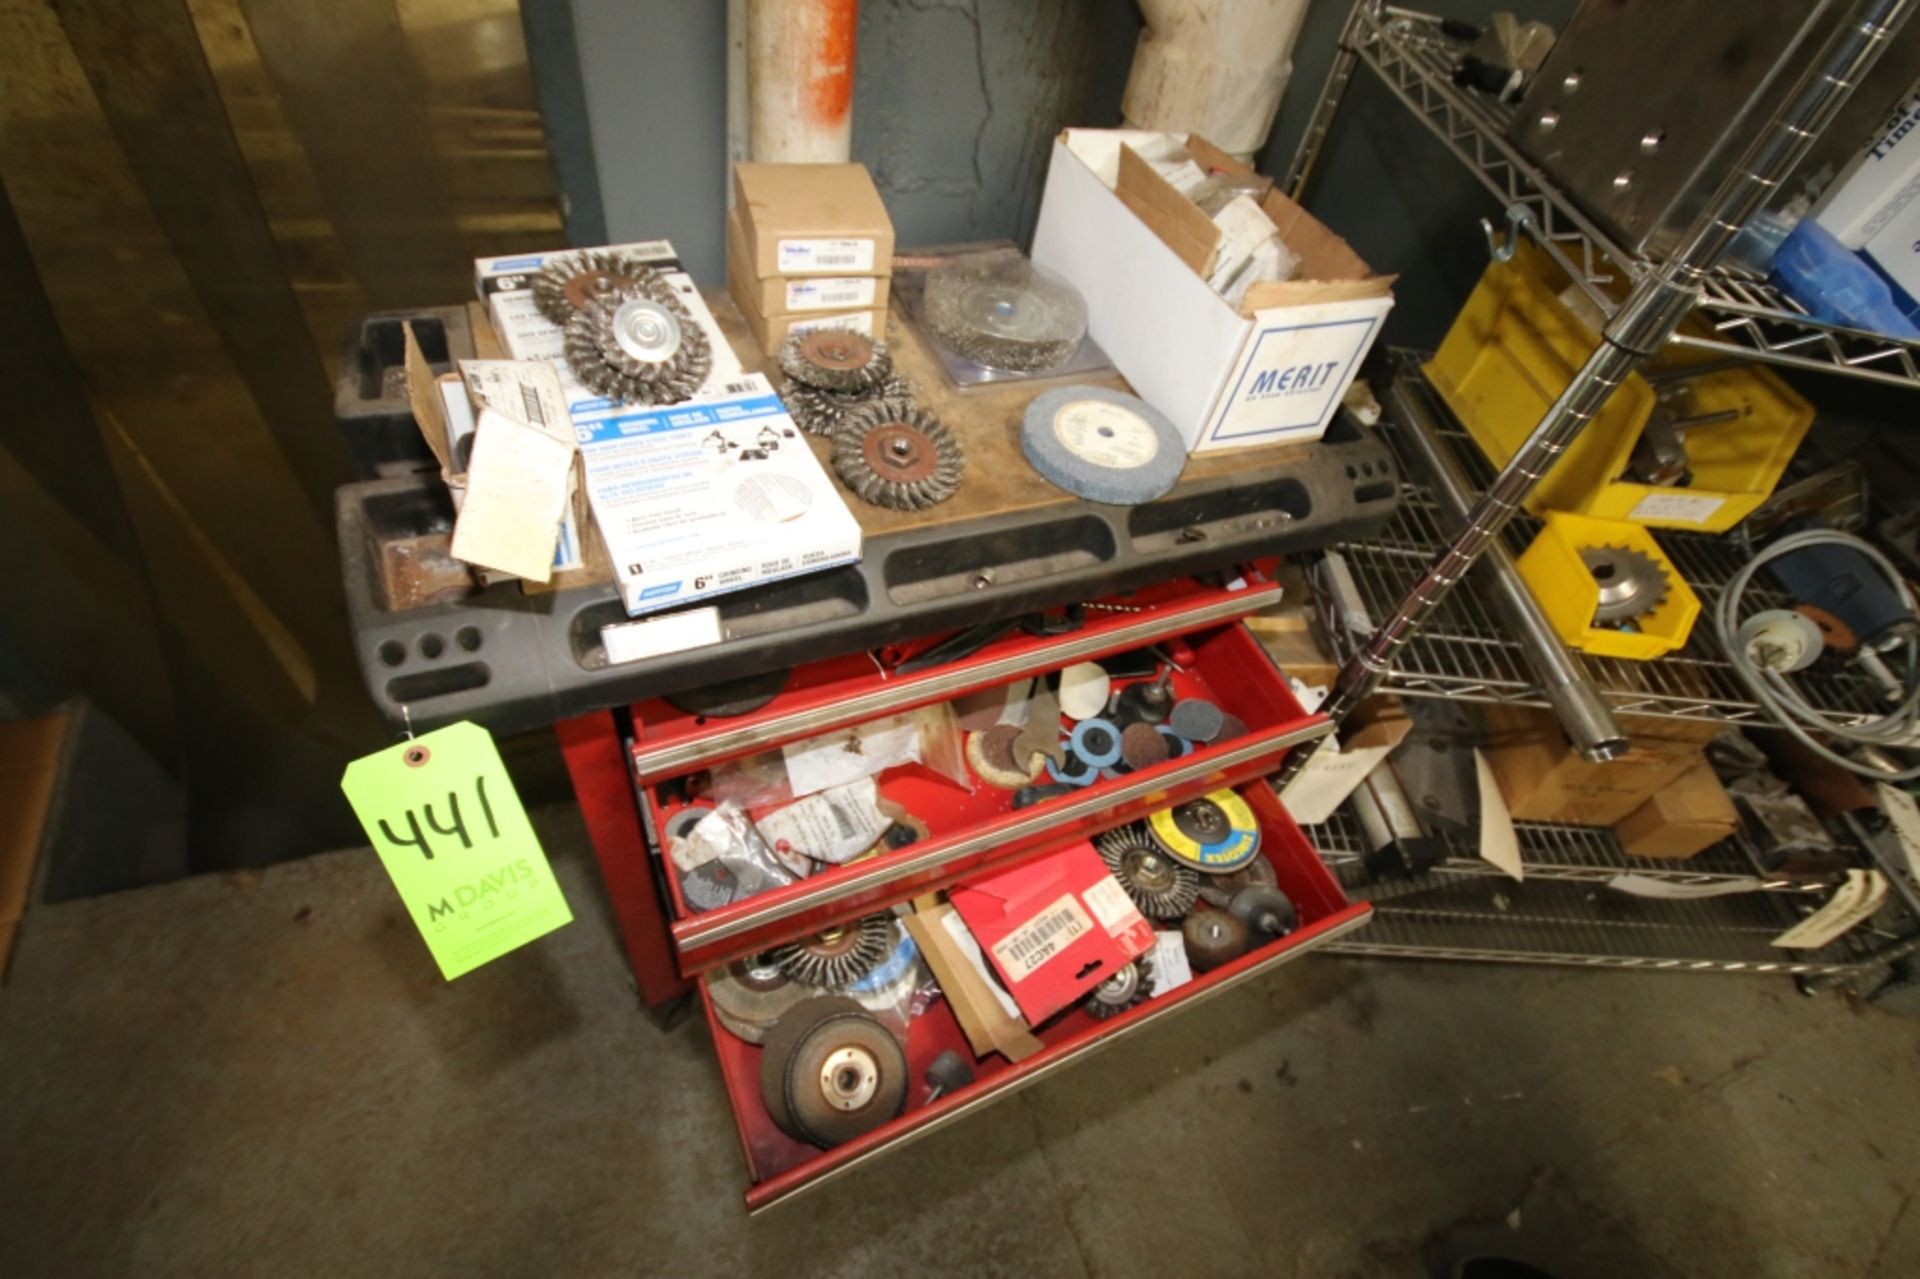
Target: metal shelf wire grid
{"x": 1571, "y": 854}
{"x": 1554, "y": 918}
{"x": 1463, "y": 650}
{"x": 1739, "y": 314}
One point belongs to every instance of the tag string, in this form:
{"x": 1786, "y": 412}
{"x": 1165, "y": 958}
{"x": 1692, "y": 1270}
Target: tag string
{"x": 406, "y": 716}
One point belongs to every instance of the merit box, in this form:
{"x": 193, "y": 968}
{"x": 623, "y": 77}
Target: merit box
{"x": 1268, "y": 371}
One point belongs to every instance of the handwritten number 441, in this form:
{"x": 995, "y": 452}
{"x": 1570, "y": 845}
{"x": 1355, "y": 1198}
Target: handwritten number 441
{"x": 417, "y": 838}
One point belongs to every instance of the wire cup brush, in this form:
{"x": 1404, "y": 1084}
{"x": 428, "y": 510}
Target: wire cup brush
{"x": 835, "y": 360}
{"x": 565, "y": 285}
{"x": 638, "y": 343}
{"x": 894, "y": 455}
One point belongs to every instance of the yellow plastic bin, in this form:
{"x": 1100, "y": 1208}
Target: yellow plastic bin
{"x": 1513, "y": 349}
{"x": 1569, "y": 594}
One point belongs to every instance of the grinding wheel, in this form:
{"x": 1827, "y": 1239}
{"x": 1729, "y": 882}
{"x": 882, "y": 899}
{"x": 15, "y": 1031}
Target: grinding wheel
{"x": 1102, "y": 444}
{"x": 781, "y": 1043}
{"x": 751, "y": 995}
{"x": 840, "y": 1074}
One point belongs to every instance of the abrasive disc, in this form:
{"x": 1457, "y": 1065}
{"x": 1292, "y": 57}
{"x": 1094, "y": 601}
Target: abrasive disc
{"x": 1102, "y": 444}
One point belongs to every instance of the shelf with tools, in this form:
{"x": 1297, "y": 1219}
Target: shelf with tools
{"x": 1564, "y": 914}
{"x": 1739, "y": 315}
{"x": 1572, "y": 854}
{"x": 1465, "y": 652}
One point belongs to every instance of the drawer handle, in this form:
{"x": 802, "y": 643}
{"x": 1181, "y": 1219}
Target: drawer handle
{"x": 659, "y": 761}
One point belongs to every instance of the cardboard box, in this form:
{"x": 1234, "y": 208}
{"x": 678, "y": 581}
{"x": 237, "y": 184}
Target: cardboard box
{"x": 704, "y": 498}
{"x": 771, "y": 331}
{"x": 812, "y": 219}
{"x": 1688, "y": 816}
{"x": 1269, "y": 371}
{"x": 1881, "y": 182}
{"x": 1545, "y": 780}
{"x": 29, "y": 767}
{"x": 796, "y": 295}
{"x": 986, "y": 1012}
{"x": 1054, "y": 928}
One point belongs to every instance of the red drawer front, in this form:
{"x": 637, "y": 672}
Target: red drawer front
{"x": 970, "y": 832}
{"x": 824, "y": 695}
{"x": 780, "y": 1167}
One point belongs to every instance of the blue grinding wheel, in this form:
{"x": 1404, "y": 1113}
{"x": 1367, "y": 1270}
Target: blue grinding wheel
{"x": 1102, "y": 444}
{"x": 1097, "y": 742}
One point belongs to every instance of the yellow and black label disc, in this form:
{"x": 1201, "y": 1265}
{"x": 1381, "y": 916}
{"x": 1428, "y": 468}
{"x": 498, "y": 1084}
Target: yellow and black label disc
{"x": 1216, "y": 832}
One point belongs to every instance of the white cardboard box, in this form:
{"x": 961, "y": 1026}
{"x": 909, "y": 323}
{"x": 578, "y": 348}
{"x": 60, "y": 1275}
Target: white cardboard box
{"x": 711, "y": 496}
{"x": 1270, "y": 371}
{"x": 1881, "y": 183}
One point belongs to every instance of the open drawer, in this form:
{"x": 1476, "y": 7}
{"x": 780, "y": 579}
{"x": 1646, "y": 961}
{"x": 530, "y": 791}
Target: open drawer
{"x": 824, "y": 695}
{"x": 779, "y": 1167}
{"x": 968, "y": 832}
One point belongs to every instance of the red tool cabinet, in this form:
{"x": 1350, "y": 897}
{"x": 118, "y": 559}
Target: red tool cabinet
{"x": 623, "y": 765}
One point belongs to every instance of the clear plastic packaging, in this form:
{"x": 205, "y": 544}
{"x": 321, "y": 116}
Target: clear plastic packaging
{"x": 928, "y": 736}
{"x": 1005, "y": 312}
{"x": 900, "y": 989}
{"x": 724, "y": 859}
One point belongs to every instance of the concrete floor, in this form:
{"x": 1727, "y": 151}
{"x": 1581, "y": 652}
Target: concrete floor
{"x": 262, "y": 1074}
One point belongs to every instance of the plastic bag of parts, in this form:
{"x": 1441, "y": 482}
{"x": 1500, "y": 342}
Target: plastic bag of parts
{"x": 927, "y": 736}
{"x": 724, "y": 859}
{"x": 900, "y": 989}
{"x": 833, "y": 826}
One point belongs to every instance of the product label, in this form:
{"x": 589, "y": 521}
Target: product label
{"x": 1681, "y": 508}
{"x": 831, "y": 826}
{"x": 443, "y": 816}
{"x": 825, "y": 295}
{"x": 859, "y": 322}
{"x": 1171, "y": 970}
{"x": 1111, "y": 906}
{"x": 1032, "y": 944}
{"x": 1106, "y": 434}
{"x": 799, "y": 256}
{"x": 674, "y": 633}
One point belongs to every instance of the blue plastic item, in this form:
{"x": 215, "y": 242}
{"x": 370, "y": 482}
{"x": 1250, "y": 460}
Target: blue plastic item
{"x": 1836, "y": 285}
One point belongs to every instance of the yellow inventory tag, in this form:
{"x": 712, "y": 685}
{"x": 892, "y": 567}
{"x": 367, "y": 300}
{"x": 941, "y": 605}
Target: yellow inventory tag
{"x": 450, "y": 830}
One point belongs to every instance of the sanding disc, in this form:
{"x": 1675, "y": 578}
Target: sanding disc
{"x": 1083, "y": 690}
{"x": 1196, "y": 720}
{"x": 1217, "y": 832}
{"x": 1102, "y": 444}
{"x": 991, "y": 755}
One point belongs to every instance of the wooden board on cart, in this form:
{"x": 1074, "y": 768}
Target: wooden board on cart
{"x": 998, "y": 479}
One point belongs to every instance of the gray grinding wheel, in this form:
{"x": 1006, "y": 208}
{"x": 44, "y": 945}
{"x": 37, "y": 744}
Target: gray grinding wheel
{"x": 1102, "y": 445}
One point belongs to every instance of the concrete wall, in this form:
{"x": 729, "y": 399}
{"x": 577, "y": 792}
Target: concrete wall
{"x": 954, "y": 106}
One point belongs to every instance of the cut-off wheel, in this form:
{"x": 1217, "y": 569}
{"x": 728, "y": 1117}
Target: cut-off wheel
{"x": 1213, "y": 938}
{"x": 1161, "y": 887}
{"x": 1128, "y": 986}
{"x": 751, "y": 994}
{"x": 835, "y": 360}
{"x": 829, "y": 1072}
{"x": 567, "y": 284}
{"x": 894, "y": 455}
{"x": 839, "y": 956}
{"x": 639, "y": 345}
{"x": 820, "y": 412}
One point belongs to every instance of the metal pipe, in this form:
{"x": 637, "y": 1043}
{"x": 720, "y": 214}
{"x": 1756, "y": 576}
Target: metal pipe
{"x": 1332, "y": 90}
{"x": 1585, "y": 716}
{"x": 800, "y": 80}
{"x": 1659, "y": 300}
{"x": 1213, "y": 67}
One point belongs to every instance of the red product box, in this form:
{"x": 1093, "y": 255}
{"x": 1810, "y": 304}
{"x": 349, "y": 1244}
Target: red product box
{"x": 1053, "y": 929}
